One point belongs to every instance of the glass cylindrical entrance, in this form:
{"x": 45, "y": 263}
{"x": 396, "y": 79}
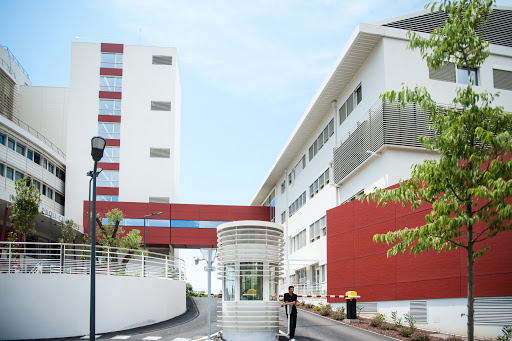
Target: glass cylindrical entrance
{"x": 250, "y": 263}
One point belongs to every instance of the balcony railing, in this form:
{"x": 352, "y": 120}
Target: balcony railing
{"x": 60, "y": 258}
{"x": 383, "y": 124}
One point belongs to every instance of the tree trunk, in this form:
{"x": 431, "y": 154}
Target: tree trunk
{"x": 471, "y": 296}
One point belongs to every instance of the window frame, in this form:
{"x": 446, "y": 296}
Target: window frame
{"x": 117, "y": 86}
{"x": 116, "y": 64}
{"x": 114, "y": 111}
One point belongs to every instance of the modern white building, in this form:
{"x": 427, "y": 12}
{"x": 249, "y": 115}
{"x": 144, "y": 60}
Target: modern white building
{"x": 131, "y": 96}
{"x": 348, "y": 142}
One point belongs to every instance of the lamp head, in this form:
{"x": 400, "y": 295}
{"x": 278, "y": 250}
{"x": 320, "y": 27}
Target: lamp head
{"x": 97, "y": 147}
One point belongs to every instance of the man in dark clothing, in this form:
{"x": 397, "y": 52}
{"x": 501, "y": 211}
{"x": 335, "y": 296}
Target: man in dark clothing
{"x": 291, "y": 299}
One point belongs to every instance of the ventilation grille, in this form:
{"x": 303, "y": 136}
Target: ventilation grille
{"x": 164, "y": 153}
{"x": 498, "y": 30}
{"x": 8, "y": 96}
{"x": 493, "y": 310}
{"x": 160, "y": 106}
{"x": 502, "y": 79}
{"x": 368, "y": 307}
{"x": 161, "y": 200}
{"x": 445, "y": 73}
{"x": 383, "y": 124}
{"x": 162, "y": 60}
{"x": 419, "y": 311}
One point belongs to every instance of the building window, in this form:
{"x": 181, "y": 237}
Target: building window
{"x": 59, "y": 198}
{"x": 30, "y": 154}
{"x": 2, "y": 139}
{"x": 111, "y": 155}
{"x": 107, "y": 198}
{"x": 283, "y": 187}
{"x": 323, "y": 225}
{"x": 112, "y": 60}
{"x": 37, "y": 158}
{"x": 37, "y": 185}
{"x": 11, "y": 144}
{"x": 298, "y": 241}
{"x": 51, "y": 167}
{"x": 318, "y": 229}
{"x": 283, "y": 217}
{"x": 352, "y": 101}
{"x": 110, "y": 107}
{"x": 162, "y": 60}
{"x": 109, "y": 130}
{"x": 162, "y": 153}
{"x": 321, "y": 140}
{"x": 60, "y": 173}
{"x": 49, "y": 193}
{"x": 108, "y": 179}
{"x": 319, "y": 183}
{"x": 9, "y": 173}
{"x": 251, "y": 281}
{"x": 43, "y": 192}
{"x": 502, "y": 79}
{"x": 110, "y": 83}
{"x": 18, "y": 175}
{"x": 297, "y": 204}
{"x": 160, "y": 106}
{"x": 20, "y": 149}
{"x": 2, "y": 169}
{"x": 463, "y": 78}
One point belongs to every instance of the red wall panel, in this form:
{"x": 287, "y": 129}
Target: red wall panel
{"x": 110, "y": 94}
{"x": 107, "y": 191}
{"x": 105, "y": 71}
{"x": 219, "y": 212}
{"x": 115, "y": 48}
{"x": 193, "y": 238}
{"x": 113, "y": 142}
{"x": 109, "y": 118}
{"x": 355, "y": 262}
{"x": 108, "y": 165}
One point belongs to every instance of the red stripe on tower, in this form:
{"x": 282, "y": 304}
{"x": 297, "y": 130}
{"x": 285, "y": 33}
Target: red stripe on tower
{"x": 115, "y": 48}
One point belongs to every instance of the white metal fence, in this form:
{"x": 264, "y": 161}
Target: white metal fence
{"x": 61, "y": 258}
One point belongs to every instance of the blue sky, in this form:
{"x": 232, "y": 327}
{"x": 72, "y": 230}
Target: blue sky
{"x": 248, "y": 71}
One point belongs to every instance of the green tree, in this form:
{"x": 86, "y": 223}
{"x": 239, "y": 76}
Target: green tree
{"x": 25, "y": 207}
{"x": 470, "y": 184}
{"x": 68, "y": 232}
{"x": 113, "y": 235}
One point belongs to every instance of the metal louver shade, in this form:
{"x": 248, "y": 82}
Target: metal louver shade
{"x": 162, "y": 60}
{"x": 445, "y": 73}
{"x": 164, "y": 153}
{"x": 162, "y": 200}
{"x": 160, "y": 106}
{"x": 502, "y": 79}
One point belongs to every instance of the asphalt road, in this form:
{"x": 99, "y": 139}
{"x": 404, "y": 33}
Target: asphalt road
{"x": 312, "y": 327}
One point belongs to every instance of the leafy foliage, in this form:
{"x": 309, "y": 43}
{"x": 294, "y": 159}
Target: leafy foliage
{"x": 68, "y": 232}
{"x": 420, "y": 337}
{"x": 507, "y": 334}
{"x": 326, "y": 310}
{"x": 25, "y": 207}
{"x": 378, "y": 320}
{"x": 339, "y": 314}
{"x": 397, "y": 320}
{"x": 470, "y": 184}
{"x": 112, "y": 234}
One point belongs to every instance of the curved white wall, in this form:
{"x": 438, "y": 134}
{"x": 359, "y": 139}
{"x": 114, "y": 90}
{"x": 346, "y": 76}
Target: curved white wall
{"x": 50, "y": 306}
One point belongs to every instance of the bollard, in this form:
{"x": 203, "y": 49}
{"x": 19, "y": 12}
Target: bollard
{"x": 351, "y": 297}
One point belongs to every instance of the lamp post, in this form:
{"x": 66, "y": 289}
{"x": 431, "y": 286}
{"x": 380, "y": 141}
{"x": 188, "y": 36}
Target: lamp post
{"x": 209, "y": 256}
{"x": 97, "y": 147}
{"x": 148, "y": 215}
{"x": 89, "y": 173}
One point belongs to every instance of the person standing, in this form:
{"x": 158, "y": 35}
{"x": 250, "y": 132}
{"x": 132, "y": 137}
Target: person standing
{"x": 291, "y": 299}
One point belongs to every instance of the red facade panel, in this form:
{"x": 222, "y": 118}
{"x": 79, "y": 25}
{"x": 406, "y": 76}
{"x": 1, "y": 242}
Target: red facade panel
{"x": 114, "y": 48}
{"x": 113, "y": 142}
{"x": 193, "y": 238}
{"x": 105, "y": 71}
{"x": 109, "y": 118}
{"x": 363, "y": 266}
{"x": 219, "y": 212}
{"x": 108, "y": 165}
{"x": 110, "y": 95}
{"x": 107, "y": 191}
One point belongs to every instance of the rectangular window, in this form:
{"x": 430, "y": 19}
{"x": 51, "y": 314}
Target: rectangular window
{"x": 112, "y": 60}
{"x": 37, "y": 158}
{"x": 109, "y": 130}
{"x": 59, "y": 198}
{"x": 9, "y": 173}
{"x": 160, "y": 106}
{"x": 108, "y": 179}
{"x": 45, "y": 164}
{"x": 110, "y": 83}
{"x": 283, "y": 217}
{"x": 107, "y": 198}
{"x": 502, "y": 79}
{"x": 110, "y": 155}
{"x": 162, "y": 60}
{"x": 20, "y": 149}
{"x": 343, "y": 112}
{"x": 331, "y": 127}
{"x": 51, "y": 167}
{"x": 110, "y": 107}
{"x": 350, "y": 104}
{"x": 321, "y": 180}
{"x": 445, "y": 73}
{"x": 37, "y": 185}
{"x": 326, "y": 174}
{"x": 18, "y": 175}
{"x": 463, "y": 77}
{"x": 323, "y": 225}
{"x": 2, "y": 139}
{"x": 30, "y": 154}
{"x": 161, "y": 153}
{"x": 359, "y": 94}
{"x": 60, "y": 173}
{"x": 283, "y": 187}
{"x": 49, "y": 193}
{"x": 11, "y": 144}
{"x": 43, "y": 192}
{"x": 2, "y": 169}
{"x": 320, "y": 140}
{"x": 311, "y": 153}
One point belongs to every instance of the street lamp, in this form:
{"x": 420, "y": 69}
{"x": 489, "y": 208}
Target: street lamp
{"x": 148, "y": 215}
{"x": 97, "y": 147}
{"x": 209, "y": 256}
{"x": 89, "y": 173}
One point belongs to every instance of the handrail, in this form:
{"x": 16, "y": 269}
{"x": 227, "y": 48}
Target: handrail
{"x": 16, "y": 60}
{"x": 63, "y": 258}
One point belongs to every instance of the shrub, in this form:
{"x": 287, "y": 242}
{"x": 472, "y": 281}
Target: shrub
{"x": 309, "y": 306}
{"x": 396, "y": 319}
{"x": 420, "y": 337}
{"x": 388, "y": 326}
{"x": 406, "y": 332}
{"x": 339, "y": 314}
{"x": 411, "y": 320}
{"x": 507, "y": 334}
{"x": 317, "y": 308}
{"x": 326, "y": 310}
{"x": 377, "y": 320}
{"x": 359, "y": 309}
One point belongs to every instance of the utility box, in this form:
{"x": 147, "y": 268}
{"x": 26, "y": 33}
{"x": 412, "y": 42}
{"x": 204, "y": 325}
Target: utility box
{"x": 351, "y": 297}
